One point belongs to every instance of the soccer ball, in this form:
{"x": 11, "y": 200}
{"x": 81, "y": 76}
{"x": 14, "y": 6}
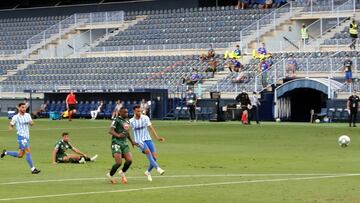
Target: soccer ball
{"x": 278, "y": 120}
{"x": 344, "y": 140}
{"x": 317, "y": 121}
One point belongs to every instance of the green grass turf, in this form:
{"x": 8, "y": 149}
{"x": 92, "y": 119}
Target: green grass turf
{"x": 201, "y": 148}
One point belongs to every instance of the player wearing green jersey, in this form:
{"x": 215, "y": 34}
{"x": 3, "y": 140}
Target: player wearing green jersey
{"x": 59, "y": 154}
{"x": 119, "y": 130}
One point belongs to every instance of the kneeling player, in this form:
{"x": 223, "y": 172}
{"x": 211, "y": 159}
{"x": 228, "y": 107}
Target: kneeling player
{"x": 59, "y": 153}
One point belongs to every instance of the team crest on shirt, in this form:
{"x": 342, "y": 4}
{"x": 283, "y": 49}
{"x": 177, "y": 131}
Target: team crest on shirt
{"x": 126, "y": 126}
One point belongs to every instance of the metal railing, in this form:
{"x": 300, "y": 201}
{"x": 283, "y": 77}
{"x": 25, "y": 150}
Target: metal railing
{"x": 315, "y": 45}
{"x": 195, "y": 48}
{"x": 322, "y": 67}
{"x": 253, "y": 29}
{"x": 331, "y": 6}
{"x": 76, "y": 20}
{"x": 88, "y": 88}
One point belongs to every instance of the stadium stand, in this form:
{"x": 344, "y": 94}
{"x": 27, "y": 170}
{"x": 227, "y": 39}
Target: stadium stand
{"x": 15, "y": 31}
{"x": 186, "y": 26}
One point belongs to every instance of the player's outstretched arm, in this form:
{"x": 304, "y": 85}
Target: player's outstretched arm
{"x": 53, "y": 157}
{"x": 78, "y": 152}
{"x": 155, "y": 135}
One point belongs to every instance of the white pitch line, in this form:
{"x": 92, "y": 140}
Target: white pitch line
{"x": 174, "y": 186}
{"x": 176, "y": 176}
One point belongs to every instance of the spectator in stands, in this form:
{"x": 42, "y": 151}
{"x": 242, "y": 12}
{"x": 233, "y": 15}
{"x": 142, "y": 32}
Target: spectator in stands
{"x": 144, "y": 106}
{"x": 304, "y": 34}
{"x": 185, "y": 80}
{"x": 291, "y": 66}
{"x": 261, "y": 3}
{"x": 353, "y": 107}
{"x": 241, "y": 78}
{"x": 235, "y": 65}
{"x": 237, "y": 52}
{"x": 245, "y": 4}
{"x": 353, "y": 30}
{"x": 263, "y": 67}
{"x": 268, "y": 4}
{"x": 254, "y": 111}
{"x": 347, "y": 68}
{"x": 238, "y": 5}
{"x": 262, "y": 50}
{"x": 279, "y": 3}
{"x": 233, "y": 54}
{"x": 117, "y": 108}
{"x": 195, "y": 77}
{"x": 210, "y": 54}
{"x": 269, "y": 61}
{"x": 191, "y": 100}
{"x": 243, "y": 99}
{"x": 213, "y": 66}
{"x": 95, "y": 112}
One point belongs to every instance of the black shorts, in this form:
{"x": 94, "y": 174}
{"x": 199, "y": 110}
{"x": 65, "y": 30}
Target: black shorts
{"x": 244, "y": 108}
{"x": 72, "y": 107}
{"x": 354, "y": 36}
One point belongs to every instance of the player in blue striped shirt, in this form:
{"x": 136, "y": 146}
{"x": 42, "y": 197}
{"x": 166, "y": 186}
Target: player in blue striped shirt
{"x": 140, "y": 125}
{"x": 21, "y": 121}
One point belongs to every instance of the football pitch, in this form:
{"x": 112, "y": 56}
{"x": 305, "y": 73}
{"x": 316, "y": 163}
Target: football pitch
{"x": 204, "y": 162}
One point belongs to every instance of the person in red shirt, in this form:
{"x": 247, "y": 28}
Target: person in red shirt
{"x": 71, "y": 104}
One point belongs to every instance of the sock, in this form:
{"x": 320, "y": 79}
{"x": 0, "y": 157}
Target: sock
{"x": 14, "y": 154}
{"x": 151, "y": 166}
{"x": 29, "y": 160}
{"x": 126, "y": 166}
{"x": 114, "y": 168}
{"x": 151, "y": 160}
{"x": 243, "y": 118}
{"x": 71, "y": 160}
{"x": 87, "y": 158}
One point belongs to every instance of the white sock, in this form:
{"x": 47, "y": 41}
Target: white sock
{"x": 33, "y": 168}
{"x": 5, "y": 153}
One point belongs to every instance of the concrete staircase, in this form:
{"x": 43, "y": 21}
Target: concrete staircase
{"x": 112, "y": 33}
{"x": 19, "y": 67}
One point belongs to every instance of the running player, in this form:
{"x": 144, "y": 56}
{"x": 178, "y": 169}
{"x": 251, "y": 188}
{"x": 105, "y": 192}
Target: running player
{"x": 140, "y": 124}
{"x": 119, "y": 130}
{"x": 71, "y": 104}
{"x": 59, "y": 153}
{"x": 21, "y": 121}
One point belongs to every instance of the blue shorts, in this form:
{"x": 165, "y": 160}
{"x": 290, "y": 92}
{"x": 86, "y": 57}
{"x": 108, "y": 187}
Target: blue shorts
{"x": 23, "y": 142}
{"x": 348, "y": 75}
{"x": 147, "y": 144}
